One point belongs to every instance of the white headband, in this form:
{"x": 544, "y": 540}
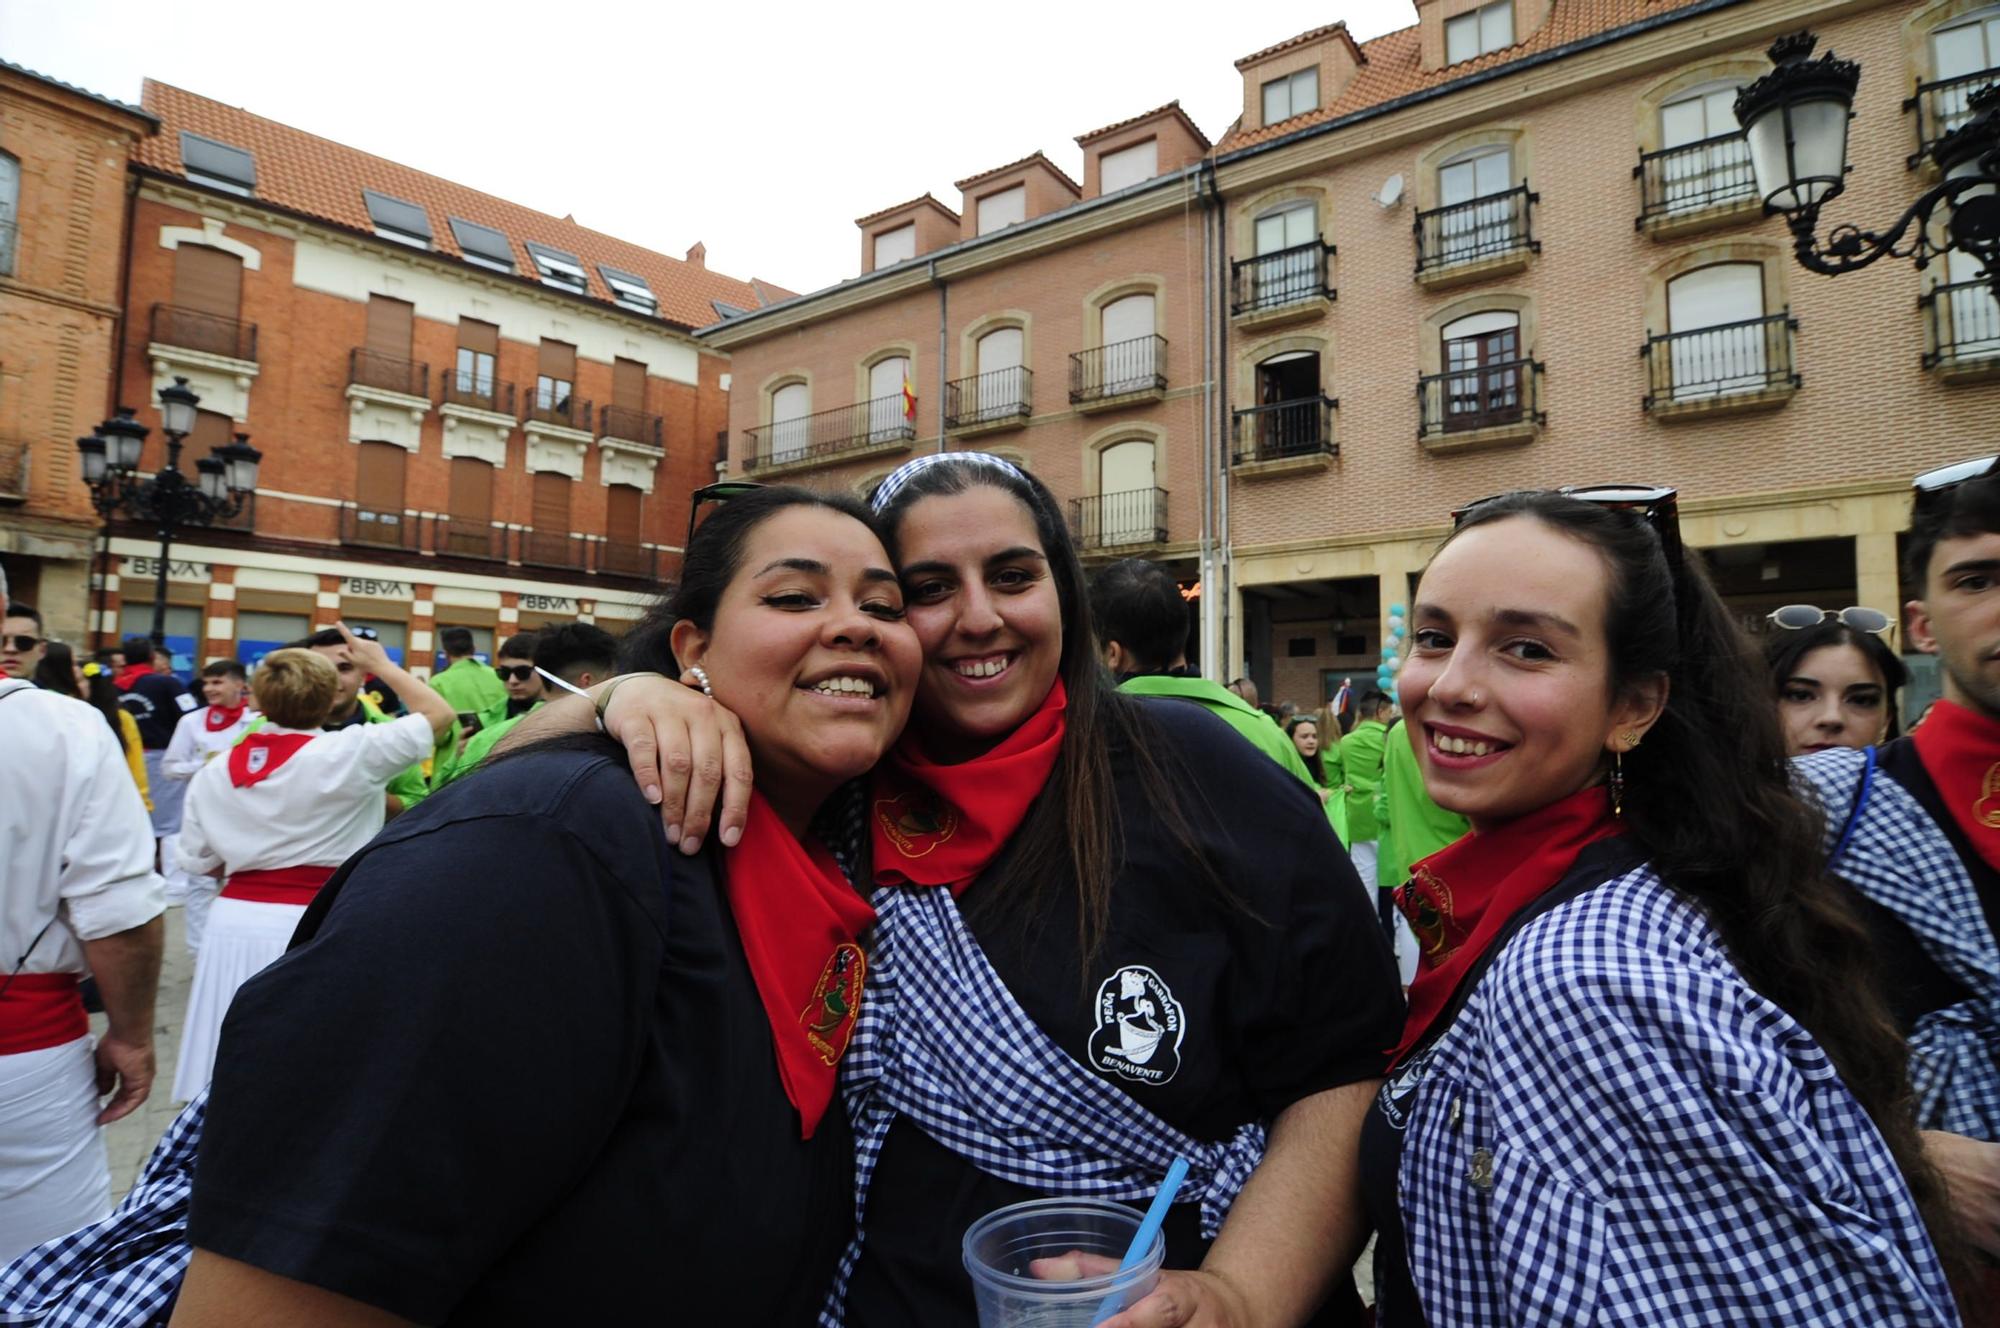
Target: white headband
{"x": 904, "y": 473}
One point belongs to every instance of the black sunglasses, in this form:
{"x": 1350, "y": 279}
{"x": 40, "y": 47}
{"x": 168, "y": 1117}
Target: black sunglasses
{"x": 21, "y": 643}
{"x": 514, "y": 672}
{"x": 720, "y": 492}
{"x": 1657, "y": 506}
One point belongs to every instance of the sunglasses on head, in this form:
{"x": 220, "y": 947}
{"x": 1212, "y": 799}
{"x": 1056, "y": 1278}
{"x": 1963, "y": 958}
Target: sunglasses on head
{"x": 1799, "y": 617}
{"x": 21, "y": 643}
{"x": 514, "y": 672}
{"x": 720, "y": 492}
{"x": 1657, "y": 506}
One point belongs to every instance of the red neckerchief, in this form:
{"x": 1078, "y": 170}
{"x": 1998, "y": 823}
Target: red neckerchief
{"x": 799, "y": 920}
{"x": 260, "y": 754}
{"x": 219, "y": 718}
{"x": 129, "y": 674}
{"x": 941, "y": 824}
{"x": 1960, "y": 751}
{"x": 1461, "y": 897}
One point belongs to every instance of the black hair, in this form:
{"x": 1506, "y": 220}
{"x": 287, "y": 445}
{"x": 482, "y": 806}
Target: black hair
{"x": 521, "y": 645}
{"x": 1316, "y": 763}
{"x": 1709, "y": 796}
{"x": 1073, "y": 829}
{"x": 57, "y": 672}
{"x": 1138, "y": 604}
{"x": 225, "y": 668}
{"x": 457, "y": 641}
{"x": 325, "y": 636}
{"x": 1373, "y": 702}
{"x": 573, "y": 649}
{"x": 1784, "y": 649}
{"x": 1973, "y": 508}
{"x": 22, "y": 609}
{"x": 137, "y": 649}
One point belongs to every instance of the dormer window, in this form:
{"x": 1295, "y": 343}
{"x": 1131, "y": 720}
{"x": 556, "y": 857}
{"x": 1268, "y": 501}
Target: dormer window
{"x": 394, "y": 219}
{"x": 629, "y": 291}
{"x": 1488, "y": 28}
{"x": 482, "y": 245}
{"x": 896, "y": 246}
{"x": 1294, "y": 94}
{"x": 218, "y": 165}
{"x": 558, "y": 269}
{"x": 1128, "y": 166}
{"x": 1006, "y": 208}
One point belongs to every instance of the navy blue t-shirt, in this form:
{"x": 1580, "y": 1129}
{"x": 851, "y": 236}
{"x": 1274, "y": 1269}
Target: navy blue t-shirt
{"x": 156, "y": 702}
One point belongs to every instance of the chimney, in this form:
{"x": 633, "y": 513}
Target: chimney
{"x": 697, "y": 256}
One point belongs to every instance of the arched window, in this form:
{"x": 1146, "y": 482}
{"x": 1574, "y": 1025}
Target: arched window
{"x": 1126, "y": 494}
{"x": 1477, "y": 218}
{"x": 1289, "y": 419}
{"x": 1288, "y": 266}
{"x": 1130, "y": 358}
{"x": 1715, "y": 316}
{"x": 886, "y": 420}
{"x": 1706, "y": 159}
{"x": 1483, "y": 364}
{"x": 1961, "y": 51}
{"x": 790, "y": 405}
{"x": 1002, "y": 377}
{"x": 10, "y": 210}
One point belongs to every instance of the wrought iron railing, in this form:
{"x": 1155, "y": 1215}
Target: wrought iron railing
{"x": 366, "y": 525}
{"x": 1285, "y": 429}
{"x": 1119, "y": 369}
{"x": 635, "y": 426}
{"x": 550, "y": 406}
{"x": 829, "y": 433}
{"x": 368, "y": 368}
{"x": 190, "y": 329}
{"x": 1287, "y": 276}
{"x": 1477, "y": 228}
{"x": 14, "y": 458}
{"x": 549, "y": 548}
{"x": 1964, "y": 323}
{"x": 1489, "y": 396}
{"x": 461, "y": 387}
{"x": 1943, "y": 105}
{"x": 989, "y": 398}
{"x": 457, "y": 537}
{"x": 1754, "y": 355}
{"x": 1694, "y": 176}
{"x": 615, "y": 559}
{"x": 1117, "y": 520}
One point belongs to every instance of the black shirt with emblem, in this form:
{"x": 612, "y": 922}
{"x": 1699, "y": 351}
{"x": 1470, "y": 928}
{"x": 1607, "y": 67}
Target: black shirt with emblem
{"x": 156, "y": 702}
{"x": 1209, "y": 1015}
{"x": 514, "y": 1070}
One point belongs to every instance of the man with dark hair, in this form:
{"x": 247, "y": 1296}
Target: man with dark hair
{"x": 578, "y": 653}
{"x": 469, "y": 685}
{"x": 21, "y": 642}
{"x": 514, "y": 665}
{"x": 1913, "y": 827}
{"x": 350, "y": 707}
{"x": 1361, "y": 760}
{"x": 198, "y": 739}
{"x": 1142, "y": 622}
{"x": 150, "y": 693}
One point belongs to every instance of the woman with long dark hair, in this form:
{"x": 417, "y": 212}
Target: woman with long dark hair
{"x": 1322, "y": 761}
{"x": 1647, "y": 1077}
{"x": 91, "y": 683}
{"x": 1836, "y": 684}
{"x": 1129, "y": 960}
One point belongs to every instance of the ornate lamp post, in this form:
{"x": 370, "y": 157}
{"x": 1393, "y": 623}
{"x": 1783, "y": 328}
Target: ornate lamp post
{"x": 169, "y": 500}
{"x": 1795, "y": 118}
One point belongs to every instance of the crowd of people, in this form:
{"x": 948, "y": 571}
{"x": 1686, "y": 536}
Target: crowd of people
{"x": 894, "y": 870}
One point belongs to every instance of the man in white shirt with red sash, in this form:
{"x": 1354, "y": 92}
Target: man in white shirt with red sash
{"x": 77, "y": 890}
{"x": 198, "y": 739}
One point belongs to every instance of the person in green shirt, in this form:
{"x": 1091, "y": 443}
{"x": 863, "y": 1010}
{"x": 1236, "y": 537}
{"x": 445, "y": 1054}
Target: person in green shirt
{"x": 1361, "y": 759}
{"x": 469, "y": 685}
{"x": 1412, "y": 828}
{"x": 578, "y": 653}
{"x": 1323, "y": 764}
{"x": 1141, "y": 623}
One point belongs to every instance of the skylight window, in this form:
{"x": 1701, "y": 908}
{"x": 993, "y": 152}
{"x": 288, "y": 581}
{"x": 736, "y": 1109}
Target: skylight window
{"x": 218, "y": 165}
{"x": 397, "y": 220}
{"x": 482, "y": 245}
{"x": 559, "y": 269}
{"x": 631, "y": 292}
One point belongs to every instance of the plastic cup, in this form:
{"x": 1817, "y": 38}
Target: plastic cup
{"x": 1000, "y": 1248}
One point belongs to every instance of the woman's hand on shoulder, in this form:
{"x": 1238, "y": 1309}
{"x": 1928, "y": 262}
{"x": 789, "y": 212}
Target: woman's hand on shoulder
{"x": 684, "y": 750}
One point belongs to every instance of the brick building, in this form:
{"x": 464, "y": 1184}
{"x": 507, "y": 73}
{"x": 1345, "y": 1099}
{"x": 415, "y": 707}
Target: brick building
{"x": 1514, "y": 245}
{"x": 470, "y": 413}
{"x": 62, "y": 245}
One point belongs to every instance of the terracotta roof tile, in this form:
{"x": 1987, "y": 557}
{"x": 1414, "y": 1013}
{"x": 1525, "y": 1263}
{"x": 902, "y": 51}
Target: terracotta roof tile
{"x": 924, "y": 197}
{"x": 319, "y": 178}
{"x": 1035, "y": 156}
{"x": 1083, "y": 140}
{"x": 1304, "y": 37}
{"x": 1393, "y": 62}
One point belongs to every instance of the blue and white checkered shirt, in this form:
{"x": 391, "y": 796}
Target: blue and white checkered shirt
{"x": 1619, "y": 1130}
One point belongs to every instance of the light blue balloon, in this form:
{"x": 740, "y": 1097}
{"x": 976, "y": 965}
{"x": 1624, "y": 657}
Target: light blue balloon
{"x": 1396, "y": 611}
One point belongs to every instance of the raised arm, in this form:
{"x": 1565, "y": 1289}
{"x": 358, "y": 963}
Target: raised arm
{"x": 412, "y": 691}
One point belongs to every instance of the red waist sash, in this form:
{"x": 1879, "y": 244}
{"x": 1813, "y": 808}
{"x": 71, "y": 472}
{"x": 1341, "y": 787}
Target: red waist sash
{"x": 280, "y": 885}
{"x": 41, "y": 1010}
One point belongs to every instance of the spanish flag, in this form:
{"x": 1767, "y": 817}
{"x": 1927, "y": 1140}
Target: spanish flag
{"x": 909, "y": 399}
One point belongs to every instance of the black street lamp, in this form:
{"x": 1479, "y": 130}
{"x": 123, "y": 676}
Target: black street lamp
{"x": 169, "y": 500}
{"x": 1795, "y": 119}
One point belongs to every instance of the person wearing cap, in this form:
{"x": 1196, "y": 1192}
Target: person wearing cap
{"x": 1912, "y": 827}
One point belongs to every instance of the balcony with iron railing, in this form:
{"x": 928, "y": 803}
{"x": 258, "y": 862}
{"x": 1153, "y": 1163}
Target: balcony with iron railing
{"x": 1740, "y": 366}
{"x": 1942, "y": 105}
{"x": 458, "y": 537}
{"x": 462, "y": 387}
{"x": 209, "y": 334}
{"x": 549, "y": 548}
{"x": 845, "y": 433}
{"x": 1696, "y": 185}
{"x": 632, "y": 426}
{"x": 1490, "y": 405}
{"x": 1283, "y": 286}
{"x": 1286, "y": 435}
{"x": 1118, "y": 373}
{"x": 548, "y": 405}
{"x": 378, "y": 528}
{"x": 387, "y": 373}
{"x": 14, "y": 458}
{"x": 1119, "y": 520}
{"x": 633, "y": 560}
{"x": 1964, "y": 330}
{"x": 998, "y": 399}
{"x": 1478, "y": 238}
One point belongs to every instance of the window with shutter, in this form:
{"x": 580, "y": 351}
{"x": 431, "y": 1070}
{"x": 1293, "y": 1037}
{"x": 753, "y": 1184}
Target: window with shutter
{"x": 469, "y": 529}
{"x": 378, "y": 493}
{"x": 885, "y": 399}
{"x": 211, "y": 429}
{"x": 208, "y": 300}
{"x": 1715, "y": 314}
{"x": 384, "y": 360}
{"x": 555, "y": 385}
{"x": 549, "y": 541}
{"x": 478, "y": 352}
{"x": 10, "y": 209}
{"x": 621, "y": 521}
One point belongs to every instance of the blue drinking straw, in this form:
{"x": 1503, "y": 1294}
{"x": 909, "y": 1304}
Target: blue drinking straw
{"x": 1149, "y": 1230}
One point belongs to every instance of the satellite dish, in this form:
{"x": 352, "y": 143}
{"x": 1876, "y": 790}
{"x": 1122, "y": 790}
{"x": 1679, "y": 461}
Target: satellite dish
{"x": 1391, "y": 191}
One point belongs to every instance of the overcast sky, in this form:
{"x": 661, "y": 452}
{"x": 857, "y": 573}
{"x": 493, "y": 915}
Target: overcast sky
{"x": 762, "y": 129}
